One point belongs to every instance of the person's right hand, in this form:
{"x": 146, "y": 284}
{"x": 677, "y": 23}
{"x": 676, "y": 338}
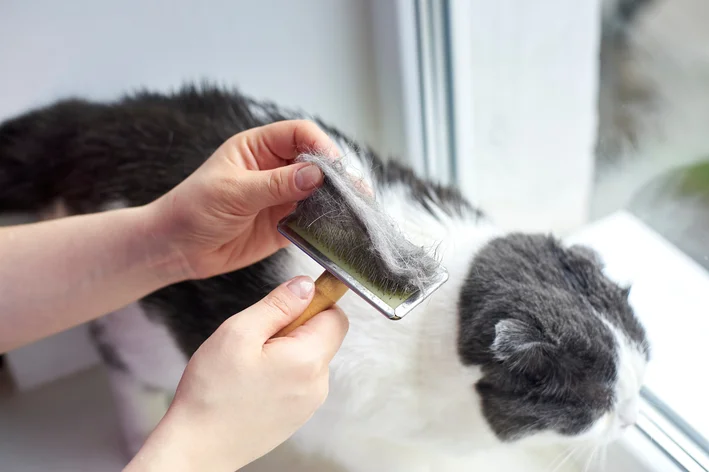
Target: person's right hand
{"x": 243, "y": 393}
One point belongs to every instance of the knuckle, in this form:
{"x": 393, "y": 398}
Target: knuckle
{"x": 230, "y": 336}
{"x": 306, "y": 135}
{"x": 307, "y": 365}
{"x": 308, "y": 126}
{"x": 231, "y": 329}
{"x": 278, "y": 184}
{"x": 278, "y": 304}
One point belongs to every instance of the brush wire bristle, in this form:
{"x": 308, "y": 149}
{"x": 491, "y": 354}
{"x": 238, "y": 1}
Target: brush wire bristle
{"x": 352, "y": 226}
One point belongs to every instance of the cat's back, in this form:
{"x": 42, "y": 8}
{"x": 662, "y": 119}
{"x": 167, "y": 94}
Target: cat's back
{"x": 132, "y": 150}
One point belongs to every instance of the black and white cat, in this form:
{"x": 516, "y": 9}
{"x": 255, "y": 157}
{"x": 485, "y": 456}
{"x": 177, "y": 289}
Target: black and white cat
{"x": 528, "y": 342}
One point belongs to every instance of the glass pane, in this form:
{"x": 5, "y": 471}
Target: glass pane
{"x": 653, "y": 160}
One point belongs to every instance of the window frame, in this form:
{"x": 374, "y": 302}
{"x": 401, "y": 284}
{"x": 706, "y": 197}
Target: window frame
{"x": 491, "y": 149}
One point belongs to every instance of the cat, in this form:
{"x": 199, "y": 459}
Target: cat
{"x": 527, "y": 343}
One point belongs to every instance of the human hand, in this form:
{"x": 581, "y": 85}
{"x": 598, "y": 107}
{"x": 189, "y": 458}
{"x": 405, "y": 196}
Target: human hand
{"x": 223, "y": 217}
{"x": 243, "y": 393}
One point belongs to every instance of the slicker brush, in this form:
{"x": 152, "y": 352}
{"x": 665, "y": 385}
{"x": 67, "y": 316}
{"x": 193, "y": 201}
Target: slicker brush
{"x": 361, "y": 249}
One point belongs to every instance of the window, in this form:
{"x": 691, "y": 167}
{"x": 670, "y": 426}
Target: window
{"x": 595, "y": 112}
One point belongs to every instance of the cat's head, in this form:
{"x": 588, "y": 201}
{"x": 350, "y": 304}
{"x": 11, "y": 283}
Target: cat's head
{"x": 559, "y": 348}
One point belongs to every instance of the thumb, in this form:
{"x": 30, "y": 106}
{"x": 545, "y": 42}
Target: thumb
{"x": 282, "y": 185}
{"x": 283, "y": 305}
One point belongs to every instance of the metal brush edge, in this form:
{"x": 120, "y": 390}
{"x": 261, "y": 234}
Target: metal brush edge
{"x": 392, "y": 313}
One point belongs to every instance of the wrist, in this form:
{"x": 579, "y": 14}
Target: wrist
{"x": 178, "y": 444}
{"x": 161, "y": 249}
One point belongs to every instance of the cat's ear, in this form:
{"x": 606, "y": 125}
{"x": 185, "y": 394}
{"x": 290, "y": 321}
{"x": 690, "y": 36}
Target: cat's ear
{"x": 521, "y": 345}
{"x": 587, "y": 253}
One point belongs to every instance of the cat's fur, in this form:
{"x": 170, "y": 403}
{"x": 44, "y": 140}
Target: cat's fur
{"x": 527, "y": 342}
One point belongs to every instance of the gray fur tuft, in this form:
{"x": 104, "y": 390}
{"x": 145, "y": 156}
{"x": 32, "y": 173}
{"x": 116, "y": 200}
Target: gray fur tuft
{"x": 351, "y": 224}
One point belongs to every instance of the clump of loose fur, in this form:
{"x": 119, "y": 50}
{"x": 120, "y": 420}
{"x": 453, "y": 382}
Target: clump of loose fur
{"x": 351, "y": 224}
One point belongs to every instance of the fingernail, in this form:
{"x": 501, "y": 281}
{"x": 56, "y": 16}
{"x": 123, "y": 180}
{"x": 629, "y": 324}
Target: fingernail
{"x": 301, "y": 287}
{"x": 307, "y": 178}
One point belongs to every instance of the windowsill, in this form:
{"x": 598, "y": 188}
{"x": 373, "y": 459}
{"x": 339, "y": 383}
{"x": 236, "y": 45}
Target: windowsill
{"x": 635, "y": 452}
{"x": 670, "y": 293}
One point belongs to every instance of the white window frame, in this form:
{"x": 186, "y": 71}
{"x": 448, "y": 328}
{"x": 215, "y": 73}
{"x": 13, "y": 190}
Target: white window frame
{"x": 412, "y": 73}
{"x": 435, "y": 127}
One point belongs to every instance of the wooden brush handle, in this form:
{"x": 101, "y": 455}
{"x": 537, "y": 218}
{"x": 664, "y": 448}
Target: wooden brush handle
{"x": 328, "y": 290}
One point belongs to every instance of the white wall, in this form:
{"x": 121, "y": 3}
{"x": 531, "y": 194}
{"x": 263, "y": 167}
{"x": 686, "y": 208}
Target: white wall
{"x": 315, "y": 54}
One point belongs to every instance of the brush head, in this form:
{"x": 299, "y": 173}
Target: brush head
{"x": 345, "y": 230}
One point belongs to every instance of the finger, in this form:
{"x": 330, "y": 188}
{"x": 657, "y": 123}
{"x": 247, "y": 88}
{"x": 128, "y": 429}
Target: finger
{"x": 272, "y": 144}
{"x": 283, "y": 185}
{"x": 268, "y": 316}
{"x": 324, "y": 332}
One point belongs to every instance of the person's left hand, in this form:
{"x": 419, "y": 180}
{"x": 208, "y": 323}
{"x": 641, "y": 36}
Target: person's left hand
{"x": 223, "y": 217}
{"x": 244, "y": 392}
